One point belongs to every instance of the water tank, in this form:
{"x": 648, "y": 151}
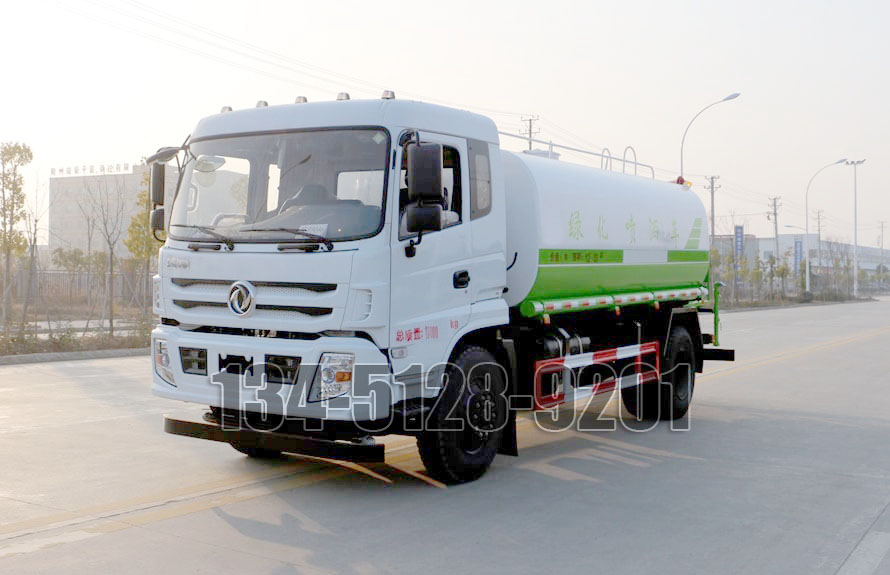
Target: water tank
{"x": 581, "y": 233}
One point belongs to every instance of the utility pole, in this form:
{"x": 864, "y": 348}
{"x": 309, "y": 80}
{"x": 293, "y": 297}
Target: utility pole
{"x": 774, "y": 216}
{"x": 819, "y": 236}
{"x": 713, "y": 187}
{"x": 531, "y": 132}
{"x": 855, "y": 164}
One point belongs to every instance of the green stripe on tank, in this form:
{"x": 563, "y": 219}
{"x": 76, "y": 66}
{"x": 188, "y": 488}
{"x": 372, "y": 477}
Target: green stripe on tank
{"x": 556, "y": 257}
{"x": 555, "y": 282}
{"x": 687, "y": 256}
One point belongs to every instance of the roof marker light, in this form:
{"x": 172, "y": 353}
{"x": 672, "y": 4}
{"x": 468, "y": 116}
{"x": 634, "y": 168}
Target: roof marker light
{"x": 342, "y": 96}
{"x": 225, "y": 109}
{"x": 262, "y": 104}
{"x": 301, "y": 100}
{"x": 388, "y": 95}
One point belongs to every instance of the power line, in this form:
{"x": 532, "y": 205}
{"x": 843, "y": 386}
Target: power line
{"x": 318, "y": 74}
{"x": 734, "y": 215}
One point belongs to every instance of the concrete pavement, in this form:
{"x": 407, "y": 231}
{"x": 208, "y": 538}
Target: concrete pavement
{"x": 786, "y": 469}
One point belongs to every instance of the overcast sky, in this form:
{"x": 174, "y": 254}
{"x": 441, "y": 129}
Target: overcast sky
{"x": 92, "y": 82}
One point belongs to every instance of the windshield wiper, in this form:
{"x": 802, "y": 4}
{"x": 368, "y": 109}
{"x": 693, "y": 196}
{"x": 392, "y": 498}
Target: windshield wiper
{"x": 308, "y": 235}
{"x": 230, "y": 245}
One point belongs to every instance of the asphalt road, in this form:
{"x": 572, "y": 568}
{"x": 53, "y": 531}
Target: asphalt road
{"x": 785, "y": 469}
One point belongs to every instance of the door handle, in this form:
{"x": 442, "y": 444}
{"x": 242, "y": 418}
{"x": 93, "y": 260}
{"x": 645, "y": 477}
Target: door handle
{"x": 461, "y": 279}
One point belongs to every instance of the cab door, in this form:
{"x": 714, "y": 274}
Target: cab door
{"x": 431, "y": 291}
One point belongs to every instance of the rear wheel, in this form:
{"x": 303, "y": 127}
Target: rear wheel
{"x": 462, "y": 435}
{"x": 672, "y": 397}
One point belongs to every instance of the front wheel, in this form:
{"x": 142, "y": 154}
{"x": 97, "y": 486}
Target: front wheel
{"x": 463, "y": 433}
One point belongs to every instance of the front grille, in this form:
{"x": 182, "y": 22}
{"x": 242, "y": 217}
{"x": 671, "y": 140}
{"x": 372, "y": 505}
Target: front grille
{"x": 255, "y": 332}
{"x": 305, "y": 310}
{"x": 308, "y": 286}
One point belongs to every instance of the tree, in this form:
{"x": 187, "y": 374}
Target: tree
{"x": 140, "y": 242}
{"x": 744, "y": 270}
{"x": 89, "y": 219}
{"x": 784, "y": 270}
{"x": 771, "y": 266}
{"x": 715, "y": 260}
{"x": 729, "y": 274}
{"x": 105, "y": 200}
{"x": 32, "y": 220}
{"x": 756, "y": 276}
{"x": 13, "y": 157}
{"x": 72, "y": 261}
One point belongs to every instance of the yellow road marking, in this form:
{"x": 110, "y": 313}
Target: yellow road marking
{"x": 158, "y": 498}
{"x": 418, "y": 475}
{"x": 305, "y": 475}
{"x": 795, "y": 353}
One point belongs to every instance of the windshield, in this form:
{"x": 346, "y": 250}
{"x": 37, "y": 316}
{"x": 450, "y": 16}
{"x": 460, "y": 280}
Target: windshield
{"x": 327, "y": 183}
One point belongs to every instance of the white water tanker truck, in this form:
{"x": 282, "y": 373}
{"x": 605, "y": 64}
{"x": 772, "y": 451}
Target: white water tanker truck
{"x": 337, "y": 271}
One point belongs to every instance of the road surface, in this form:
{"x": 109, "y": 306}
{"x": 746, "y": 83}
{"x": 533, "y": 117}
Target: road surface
{"x": 785, "y": 469}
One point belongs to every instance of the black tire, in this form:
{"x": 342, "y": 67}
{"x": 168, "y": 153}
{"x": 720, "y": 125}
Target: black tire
{"x": 672, "y": 397}
{"x": 460, "y": 447}
{"x": 257, "y": 452}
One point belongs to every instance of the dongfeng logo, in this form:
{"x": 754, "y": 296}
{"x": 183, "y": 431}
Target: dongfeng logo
{"x": 242, "y": 299}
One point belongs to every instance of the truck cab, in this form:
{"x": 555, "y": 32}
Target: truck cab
{"x": 288, "y": 253}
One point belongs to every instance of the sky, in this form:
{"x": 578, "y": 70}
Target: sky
{"x": 102, "y": 81}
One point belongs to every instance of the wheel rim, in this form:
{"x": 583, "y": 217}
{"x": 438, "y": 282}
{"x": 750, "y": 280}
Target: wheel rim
{"x": 480, "y": 416}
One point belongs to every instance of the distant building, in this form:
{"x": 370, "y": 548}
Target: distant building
{"x": 74, "y": 218}
{"x": 825, "y": 254}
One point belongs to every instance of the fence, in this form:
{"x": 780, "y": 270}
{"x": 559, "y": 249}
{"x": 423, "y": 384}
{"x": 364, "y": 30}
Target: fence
{"x": 131, "y": 288}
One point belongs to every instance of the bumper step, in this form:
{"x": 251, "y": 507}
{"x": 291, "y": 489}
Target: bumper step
{"x": 718, "y": 354}
{"x": 298, "y": 444}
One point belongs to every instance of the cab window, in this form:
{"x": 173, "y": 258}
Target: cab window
{"x": 480, "y": 179}
{"x": 451, "y": 187}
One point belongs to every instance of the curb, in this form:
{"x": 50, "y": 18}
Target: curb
{"x": 798, "y": 304}
{"x": 71, "y": 355}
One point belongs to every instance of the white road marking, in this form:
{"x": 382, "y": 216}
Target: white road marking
{"x": 866, "y": 557}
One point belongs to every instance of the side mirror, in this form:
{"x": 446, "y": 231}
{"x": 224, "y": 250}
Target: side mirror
{"x": 157, "y": 185}
{"x": 156, "y": 220}
{"x": 425, "y": 173}
{"x": 423, "y": 218}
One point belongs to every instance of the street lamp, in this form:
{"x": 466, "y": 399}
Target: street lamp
{"x": 806, "y": 209}
{"x": 732, "y": 96}
{"x": 855, "y": 164}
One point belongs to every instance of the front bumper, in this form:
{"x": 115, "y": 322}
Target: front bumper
{"x": 370, "y": 398}
{"x": 289, "y": 443}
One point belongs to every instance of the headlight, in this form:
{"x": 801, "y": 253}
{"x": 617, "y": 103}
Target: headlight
{"x": 333, "y": 376}
{"x": 162, "y": 361}
{"x": 157, "y": 302}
